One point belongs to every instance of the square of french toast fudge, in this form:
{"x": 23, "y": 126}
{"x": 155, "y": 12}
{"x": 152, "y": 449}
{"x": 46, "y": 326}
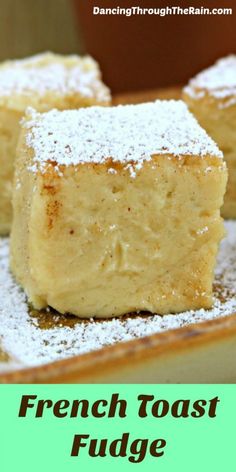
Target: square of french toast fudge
{"x": 211, "y": 96}
{"x": 117, "y": 210}
{"x": 44, "y": 81}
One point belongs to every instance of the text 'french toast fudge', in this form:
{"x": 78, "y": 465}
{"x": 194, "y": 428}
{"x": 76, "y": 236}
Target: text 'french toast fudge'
{"x": 44, "y": 81}
{"x": 117, "y": 210}
{"x": 211, "y": 96}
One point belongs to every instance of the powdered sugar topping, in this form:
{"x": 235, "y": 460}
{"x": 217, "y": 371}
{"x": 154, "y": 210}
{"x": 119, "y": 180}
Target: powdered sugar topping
{"x": 25, "y": 340}
{"x": 130, "y": 134}
{"x": 219, "y": 81}
{"x": 43, "y": 73}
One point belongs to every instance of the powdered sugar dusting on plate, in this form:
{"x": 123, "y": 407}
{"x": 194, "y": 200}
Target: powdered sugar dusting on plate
{"x": 218, "y": 81}
{"x": 130, "y": 134}
{"x": 25, "y": 340}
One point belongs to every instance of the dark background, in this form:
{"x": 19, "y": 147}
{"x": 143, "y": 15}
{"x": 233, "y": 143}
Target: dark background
{"x": 135, "y": 53}
{"x": 147, "y": 52}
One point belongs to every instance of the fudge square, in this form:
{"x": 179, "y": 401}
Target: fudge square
{"x": 117, "y": 210}
{"x": 211, "y": 96}
{"x": 43, "y": 81}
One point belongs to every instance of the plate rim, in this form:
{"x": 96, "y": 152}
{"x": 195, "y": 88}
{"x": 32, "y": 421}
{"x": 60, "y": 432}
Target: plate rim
{"x": 125, "y": 353}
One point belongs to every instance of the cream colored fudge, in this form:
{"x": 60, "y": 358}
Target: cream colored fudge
{"x": 44, "y": 82}
{"x": 117, "y": 210}
{"x": 211, "y": 96}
